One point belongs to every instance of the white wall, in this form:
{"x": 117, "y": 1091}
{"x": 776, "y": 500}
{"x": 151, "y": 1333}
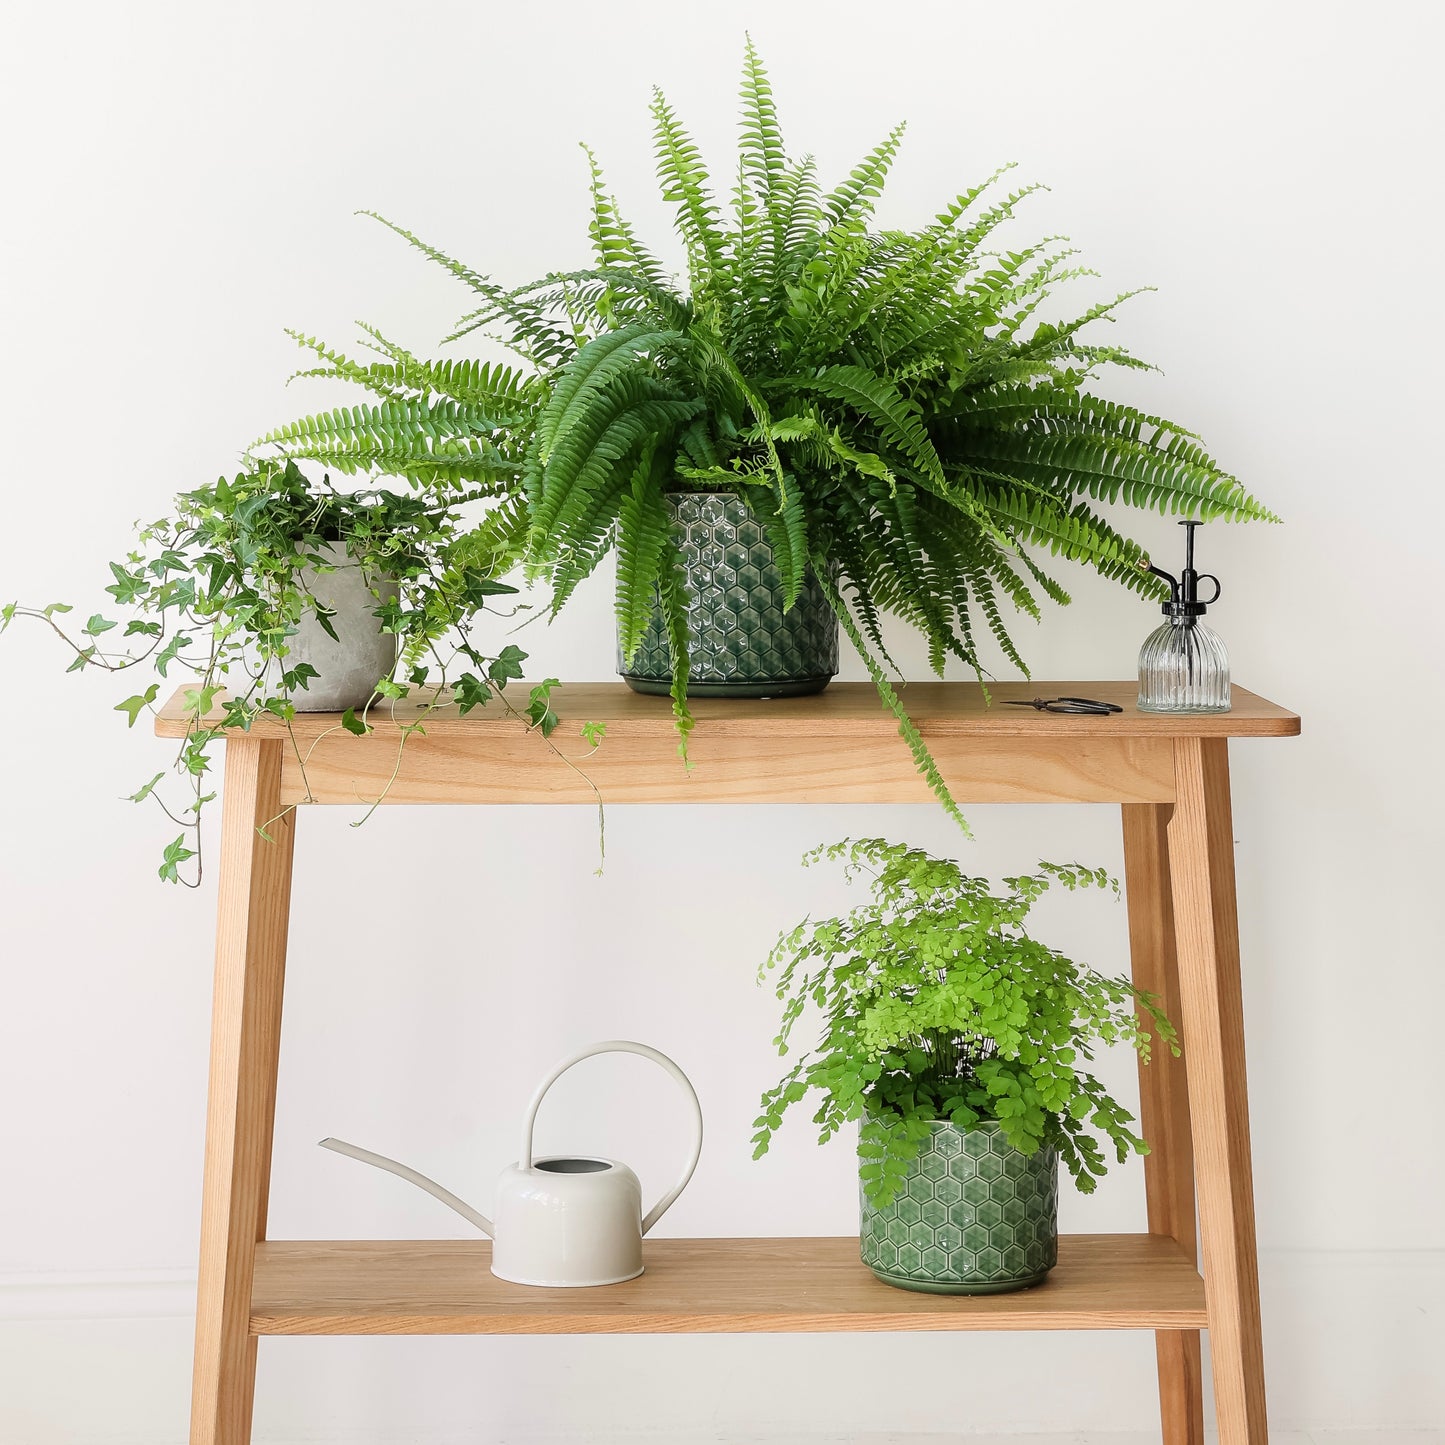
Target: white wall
{"x": 178, "y": 183}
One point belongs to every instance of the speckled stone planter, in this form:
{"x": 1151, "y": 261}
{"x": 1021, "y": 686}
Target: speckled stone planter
{"x": 975, "y": 1216}
{"x": 361, "y": 654}
{"x": 743, "y": 644}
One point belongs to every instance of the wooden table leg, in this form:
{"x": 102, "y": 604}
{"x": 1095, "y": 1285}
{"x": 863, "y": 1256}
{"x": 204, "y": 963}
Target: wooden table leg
{"x": 1201, "y": 865}
{"x": 1164, "y": 1104}
{"x": 253, "y": 905}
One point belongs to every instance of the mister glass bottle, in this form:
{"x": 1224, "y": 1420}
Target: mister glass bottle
{"x": 1183, "y": 666}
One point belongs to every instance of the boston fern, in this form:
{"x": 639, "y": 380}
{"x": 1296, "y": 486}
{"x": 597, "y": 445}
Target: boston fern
{"x": 937, "y": 1004}
{"x": 888, "y": 402}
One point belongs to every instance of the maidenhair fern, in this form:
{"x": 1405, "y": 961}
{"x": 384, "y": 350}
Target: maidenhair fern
{"x": 886, "y": 401}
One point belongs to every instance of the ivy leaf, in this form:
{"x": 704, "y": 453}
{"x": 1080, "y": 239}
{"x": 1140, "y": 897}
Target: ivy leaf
{"x": 324, "y": 618}
{"x": 469, "y": 691}
{"x": 476, "y": 588}
{"x": 55, "y": 607}
{"x": 135, "y": 627}
{"x": 539, "y": 709}
{"x": 507, "y": 664}
{"x": 238, "y": 713}
{"x": 193, "y": 753}
{"x": 168, "y": 560}
{"x": 175, "y": 854}
{"x": 354, "y": 724}
{"x": 7, "y": 613}
{"x": 146, "y": 790}
{"x": 84, "y": 656}
{"x": 97, "y": 625}
{"x": 200, "y": 700}
{"x": 127, "y": 585}
{"x": 171, "y": 651}
{"x": 133, "y": 706}
{"x": 299, "y": 676}
{"x": 593, "y": 733}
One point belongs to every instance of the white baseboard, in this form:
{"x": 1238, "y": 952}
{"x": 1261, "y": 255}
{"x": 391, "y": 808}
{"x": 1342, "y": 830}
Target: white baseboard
{"x": 137, "y": 1294}
{"x": 1354, "y": 1342}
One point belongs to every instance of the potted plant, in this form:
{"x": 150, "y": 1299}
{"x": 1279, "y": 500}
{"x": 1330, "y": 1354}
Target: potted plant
{"x": 960, "y": 1043}
{"x": 821, "y": 423}
{"x": 272, "y": 595}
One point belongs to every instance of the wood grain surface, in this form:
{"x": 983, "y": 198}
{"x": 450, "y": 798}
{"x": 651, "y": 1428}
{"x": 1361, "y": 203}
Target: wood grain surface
{"x": 1164, "y": 1105}
{"x": 252, "y": 909}
{"x": 705, "y": 1286}
{"x": 847, "y": 710}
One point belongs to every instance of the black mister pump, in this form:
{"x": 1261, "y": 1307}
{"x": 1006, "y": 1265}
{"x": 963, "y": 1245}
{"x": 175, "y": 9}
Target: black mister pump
{"x": 1183, "y": 666}
{"x": 1184, "y": 599}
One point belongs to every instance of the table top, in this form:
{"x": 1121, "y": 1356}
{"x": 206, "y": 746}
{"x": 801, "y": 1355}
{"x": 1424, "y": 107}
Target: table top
{"x": 846, "y": 709}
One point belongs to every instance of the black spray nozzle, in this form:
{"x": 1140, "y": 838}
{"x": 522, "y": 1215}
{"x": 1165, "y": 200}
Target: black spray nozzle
{"x": 1184, "y": 599}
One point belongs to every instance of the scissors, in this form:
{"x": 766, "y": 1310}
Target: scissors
{"x": 1085, "y": 706}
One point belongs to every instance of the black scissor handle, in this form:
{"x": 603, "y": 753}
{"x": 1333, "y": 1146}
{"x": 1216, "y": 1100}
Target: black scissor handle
{"x": 1092, "y": 704}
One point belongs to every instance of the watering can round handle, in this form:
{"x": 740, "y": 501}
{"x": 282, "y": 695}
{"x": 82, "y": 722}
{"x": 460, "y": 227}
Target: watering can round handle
{"x": 623, "y": 1046}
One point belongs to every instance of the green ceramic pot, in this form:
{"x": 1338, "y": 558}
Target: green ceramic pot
{"x": 743, "y": 644}
{"x": 975, "y": 1216}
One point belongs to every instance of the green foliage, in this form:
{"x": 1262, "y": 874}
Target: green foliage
{"x": 937, "y": 1004}
{"x": 887, "y": 401}
{"x": 217, "y": 589}
{"x": 884, "y": 400}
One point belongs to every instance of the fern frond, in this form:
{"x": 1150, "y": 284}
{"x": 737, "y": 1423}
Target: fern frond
{"x": 613, "y": 240}
{"x": 878, "y": 398}
{"x": 1160, "y": 473}
{"x": 594, "y": 365}
{"x": 506, "y": 391}
{"x": 672, "y": 597}
{"x": 642, "y": 529}
{"x": 425, "y": 443}
{"x": 851, "y": 203}
{"x": 764, "y": 159}
{"x": 684, "y": 181}
{"x": 907, "y": 729}
{"x": 495, "y": 545}
{"x": 464, "y": 273}
{"x": 1074, "y": 532}
{"x": 786, "y": 525}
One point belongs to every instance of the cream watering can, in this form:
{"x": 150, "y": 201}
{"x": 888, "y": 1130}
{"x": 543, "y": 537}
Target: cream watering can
{"x": 563, "y": 1221}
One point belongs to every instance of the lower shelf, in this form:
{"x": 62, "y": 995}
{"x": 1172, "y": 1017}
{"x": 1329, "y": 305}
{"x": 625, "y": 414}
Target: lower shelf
{"x": 705, "y": 1286}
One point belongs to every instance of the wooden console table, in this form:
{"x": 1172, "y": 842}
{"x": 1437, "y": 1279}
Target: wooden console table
{"x": 1171, "y": 776}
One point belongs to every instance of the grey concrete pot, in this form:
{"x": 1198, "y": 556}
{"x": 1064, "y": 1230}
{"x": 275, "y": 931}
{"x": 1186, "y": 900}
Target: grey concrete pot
{"x": 361, "y": 654}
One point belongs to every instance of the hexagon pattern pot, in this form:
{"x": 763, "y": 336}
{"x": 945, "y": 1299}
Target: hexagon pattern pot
{"x": 743, "y": 644}
{"x": 975, "y": 1216}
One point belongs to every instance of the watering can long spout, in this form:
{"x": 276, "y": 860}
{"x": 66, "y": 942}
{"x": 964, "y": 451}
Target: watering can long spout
{"x": 380, "y": 1161}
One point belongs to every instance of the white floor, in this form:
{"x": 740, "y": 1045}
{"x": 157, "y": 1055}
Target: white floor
{"x": 1277, "y": 1437}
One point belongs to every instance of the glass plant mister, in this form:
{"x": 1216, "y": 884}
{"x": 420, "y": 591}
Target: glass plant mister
{"x": 1183, "y": 666}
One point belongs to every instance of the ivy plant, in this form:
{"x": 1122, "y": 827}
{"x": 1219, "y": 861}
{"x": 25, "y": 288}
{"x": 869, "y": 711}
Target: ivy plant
{"x": 938, "y": 1004}
{"x": 889, "y": 402}
{"x": 213, "y": 592}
